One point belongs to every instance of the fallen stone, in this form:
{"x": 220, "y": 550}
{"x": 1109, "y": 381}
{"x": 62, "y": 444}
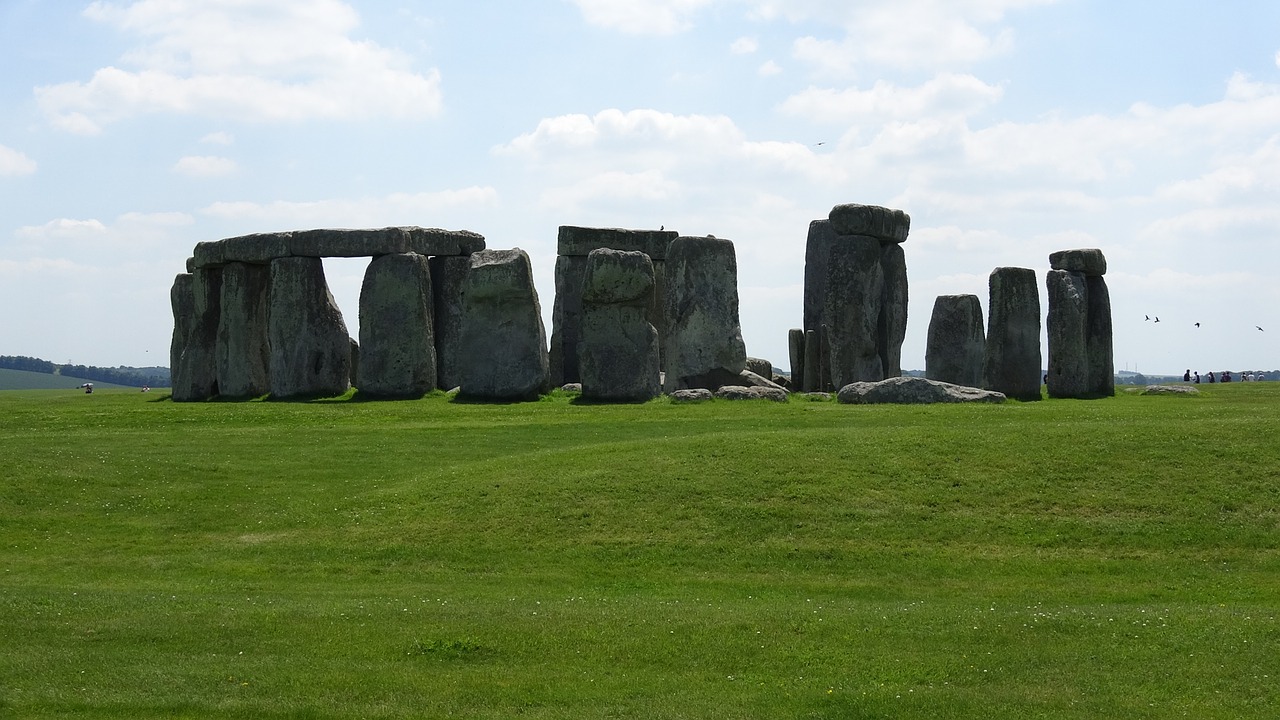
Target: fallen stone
{"x": 572, "y": 387}
{"x": 913, "y": 391}
{"x": 878, "y": 222}
{"x": 740, "y": 392}
{"x": 690, "y": 395}
{"x": 1170, "y": 390}
{"x": 760, "y": 366}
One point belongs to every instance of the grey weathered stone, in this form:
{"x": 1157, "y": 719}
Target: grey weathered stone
{"x": 331, "y": 242}
{"x": 704, "y": 345}
{"x": 566, "y": 320}
{"x": 572, "y": 387}
{"x": 448, "y": 286}
{"x": 310, "y": 346}
{"x": 878, "y": 222}
{"x": 618, "y": 349}
{"x": 913, "y": 390}
{"x": 1086, "y": 261}
{"x": 1098, "y": 338}
{"x": 795, "y": 351}
{"x": 244, "y": 348}
{"x": 812, "y": 362}
{"x": 191, "y": 265}
{"x": 194, "y": 375}
{"x": 760, "y": 366}
{"x": 753, "y": 379}
{"x": 892, "y": 328}
{"x": 354, "y": 376}
{"x": 742, "y": 392}
{"x": 434, "y": 241}
{"x": 503, "y": 355}
{"x": 957, "y": 343}
{"x": 817, "y": 251}
{"x": 691, "y": 395}
{"x": 1067, "y": 324}
{"x": 397, "y": 328}
{"x": 209, "y": 254}
{"x": 1013, "y": 362}
{"x": 573, "y": 241}
{"x": 817, "y": 396}
{"x": 1169, "y": 390}
{"x": 258, "y": 249}
{"x": 854, "y": 297}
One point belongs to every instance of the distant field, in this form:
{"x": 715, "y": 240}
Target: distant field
{"x": 1116, "y": 558}
{"x": 26, "y": 380}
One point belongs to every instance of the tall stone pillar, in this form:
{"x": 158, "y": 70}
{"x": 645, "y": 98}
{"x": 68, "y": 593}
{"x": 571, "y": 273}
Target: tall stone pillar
{"x": 618, "y": 351}
{"x": 397, "y": 328}
{"x": 195, "y": 371}
{"x": 1012, "y": 363}
{"x": 957, "y": 342}
{"x": 1081, "y": 363}
{"x": 704, "y": 347}
{"x": 310, "y": 346}
{"x": 503, "y": 355}
{"x": 244, "y": 355}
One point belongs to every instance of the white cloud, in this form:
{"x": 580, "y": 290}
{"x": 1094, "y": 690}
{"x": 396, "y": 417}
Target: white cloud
{"x": 218, "y": 138}
{"x": 945, "y": 95}
{"x": 744, "y": 46}
{"x": 293, "y": 60}
{"x": 13, "y": 163}
{"x": 62, "y": 229}
{"x": 641, "y": 17}
{"x": 204, "y": 166}
{"x": 769, "y": 68}
{"x": 424, "y": 208}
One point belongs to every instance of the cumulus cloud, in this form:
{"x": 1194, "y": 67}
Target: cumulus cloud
{"x": 422, "y": 208}
{"x": 641, "y": 17}
{"x": 218, "y": 138}
{"x": 289, "y": 61}
{"x": 204, "y": 166}
{"x": 744, "y": 46}
{"x": 944, "y": 95}
{"x": 13, "y": 163}
{"x": 769, "y": 68}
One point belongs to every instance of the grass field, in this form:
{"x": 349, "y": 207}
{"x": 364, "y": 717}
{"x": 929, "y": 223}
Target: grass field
{"x": 1061, "y": 559}
{"x": 27, "y": 380}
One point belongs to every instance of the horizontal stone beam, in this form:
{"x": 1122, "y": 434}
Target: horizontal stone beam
{"x": 881, "y": 223}
{"x": 580, "y": 241}
{"x": 262, "y": 248}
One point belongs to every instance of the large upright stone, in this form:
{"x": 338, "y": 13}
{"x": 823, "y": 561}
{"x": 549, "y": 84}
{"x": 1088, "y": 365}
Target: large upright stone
{"x": 957, "y": 342}
{"x": 310, "y": 347}
{"x": 244, "y": 352}
{"x": 448, "y": 285}
{"x": 704, "y": 347}
{"x": 619, "y": 346}
{"x": 795, "y": 352}
{"x": 574, "y": 244}
{"x": 817, "y": 251}
{"x": 854, "y": 298}
{"x": 504, "y": 353}
{"x": 892, "y": 328}
{"x": 195, "y": 371}
{"x": 1012, "y": 365}
{"x": 1098, "y": 337}
{"x": 183, "y": 302}
{"x": 397, "y": 333}
{"x": 1081, "y": 363}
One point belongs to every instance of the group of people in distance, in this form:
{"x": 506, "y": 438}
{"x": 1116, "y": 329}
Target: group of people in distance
{"x": 1225, "y": 376}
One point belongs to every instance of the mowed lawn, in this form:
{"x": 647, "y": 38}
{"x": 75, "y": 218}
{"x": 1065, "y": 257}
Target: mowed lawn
{"x": 426, "y": 559}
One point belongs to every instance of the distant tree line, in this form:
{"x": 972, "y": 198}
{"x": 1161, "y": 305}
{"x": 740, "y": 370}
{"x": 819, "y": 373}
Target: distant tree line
{"x": 128, "y": 376}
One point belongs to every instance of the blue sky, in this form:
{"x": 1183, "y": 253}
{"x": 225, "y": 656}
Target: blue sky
{"x": 1008, "y": 129}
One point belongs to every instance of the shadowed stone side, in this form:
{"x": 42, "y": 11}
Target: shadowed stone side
{"x": 448, "y": 286}
{"x": 854, "y": 296}
{"x": 957, "y": 343}
{"x": 1067, "y": 324}
{"x": 244, "y": 357}
{"x": 397, "y": 328}
{"x": 310, "y": 346}
{"x": 619, "y": 346}
{"x": 1098, "y": 337}
{"x": 1012, "y": 364}
{"x": 874, "y": 221}
{"x": 195, "y": 373}
{"x": 892, "y": 329}
{"x": 704, "y": 347}
{"x": 503, "y": 355}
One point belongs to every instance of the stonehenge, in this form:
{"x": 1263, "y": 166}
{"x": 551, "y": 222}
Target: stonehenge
{"x": 1081, "y": 361}
{"x": 637, "y": 314}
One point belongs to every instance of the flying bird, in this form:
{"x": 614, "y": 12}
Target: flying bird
{"x": 1197, "y": 324}
{"x": 1146, "y": 317}
{"x": 1157, "y": 318}
{"x": 1259, "y": 328}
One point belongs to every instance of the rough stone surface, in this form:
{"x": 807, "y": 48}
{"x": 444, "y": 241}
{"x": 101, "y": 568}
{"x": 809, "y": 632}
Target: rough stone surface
{"x": 1098, "y": 338}
{"x": 503, "y": 354}
{"x": 257, "y": 249}
{"x": 795, "y": 351}
{"x": 817, "y": 251}
{"x": 448, "y": 285}
{"x": 397, "y": 328}
{"x": 244, "y": 348}
{"x": 619, "y": 347}
{"x": 572, "y": 387}
{"x": 691, "y": 395}
{"x": 330, "y": 242}
{"x": 740, "y": 392}
{"x": 1086, "y": 261}
{"x": 310, "y": 346}
{"x": 354, "y": 376}
{"x": 913, "y": 390}
{"x": 1169, "y": 390}
{"x": 1013, "y": 364}
{"x": 957, "y": 343}
{"x": 878, "y": 222}
{"x": 892, "y": 328}
{"x": 817, "y": 396}
{"x": 752, "y": 379}
{"x": 812, "y": 362}
{"x": 434, "y": 241}
{"x": 1067, "y": 329}
{"x": 194, "y": 375}
{"x": 760, "y": 366}
{"x": 573, "y": 241}
{"x": 854, "y": 297}
{"x": 703, "y": 334}
{"x": 208, "y": 254}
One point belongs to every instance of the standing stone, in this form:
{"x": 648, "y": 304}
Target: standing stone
{"x": 854, "y": 297}
{"x": 957, "y": 343}
{"x": 1012, "y": 364}
{"x": 195, "y": 372}
{"x": 397, "y": 335}
{"x": 503, "y": 354}
{"x": 704, "y": 347}
{"x": 795, "y": 351}
{"x": 618, "y": 351}
{"x": 817, "y": 251}
{"x": 448, "y": 284}
{"x": 244, "y": 350}
{"x": 1067, "y": 325}
{"x": 1098, "y": 336}
{"x": 812, "y": 362}
{"x": 892, "y": 329}
{"x": 310, "y": 346}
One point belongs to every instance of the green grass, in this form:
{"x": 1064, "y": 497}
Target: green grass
{"x": 1064, "y": 559}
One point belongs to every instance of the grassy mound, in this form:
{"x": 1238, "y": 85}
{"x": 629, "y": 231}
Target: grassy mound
{"x": 1072, "y": 559}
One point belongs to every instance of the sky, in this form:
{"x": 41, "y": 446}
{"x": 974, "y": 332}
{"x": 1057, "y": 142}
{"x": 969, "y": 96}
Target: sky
{"x": 1007, "y": 129}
